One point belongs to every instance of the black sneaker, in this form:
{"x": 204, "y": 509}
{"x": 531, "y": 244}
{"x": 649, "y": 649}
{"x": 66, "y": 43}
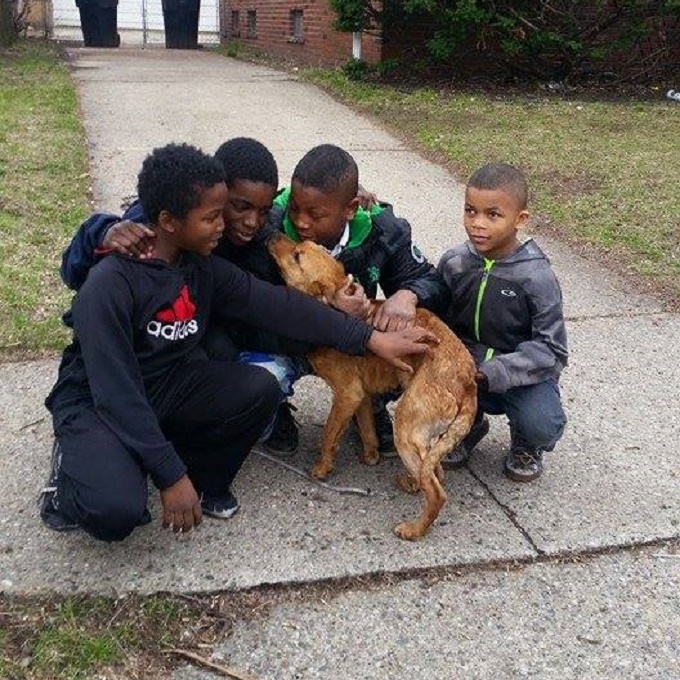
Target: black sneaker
{"x": 284, "y": 439}
{"x": 461, "y": 454}
{"x": 48, "y": 502}
{"x": 523, "y": 464}
{"x": 220, "y": 507}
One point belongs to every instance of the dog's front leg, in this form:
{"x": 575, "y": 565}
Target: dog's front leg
{"x": 345, "y": 404}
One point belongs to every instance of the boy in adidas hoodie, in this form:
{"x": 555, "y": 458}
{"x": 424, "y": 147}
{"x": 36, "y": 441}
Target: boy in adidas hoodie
{"x": 136, "y": 395}
{"x": 507, "y": 309}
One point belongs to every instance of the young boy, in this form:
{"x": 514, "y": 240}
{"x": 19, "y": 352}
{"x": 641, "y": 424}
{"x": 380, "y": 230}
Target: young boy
{"x": 136, "y": 393}
{"x": 374, "y": 246}
{"x": 507, "y": 308}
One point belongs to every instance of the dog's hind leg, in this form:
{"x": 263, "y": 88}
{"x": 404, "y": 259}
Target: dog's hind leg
{"x": 369, "y": 439}
{"x": 435, "y": 499}
{"x": 415, "y": 436}
{"x": 346, "y": 401}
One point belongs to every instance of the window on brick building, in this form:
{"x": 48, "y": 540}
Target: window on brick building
{"x": 252, "y": 23}
{"x": 297, "y": 27}
{"x": 235, "y": 23}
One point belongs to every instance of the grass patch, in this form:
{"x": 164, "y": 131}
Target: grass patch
{"x": 603, "y": 174}
{"x": 43, "y": 194}
{"x": 133, "y": 637}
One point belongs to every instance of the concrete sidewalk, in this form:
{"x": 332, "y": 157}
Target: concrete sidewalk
{"x": 612, "y": 483}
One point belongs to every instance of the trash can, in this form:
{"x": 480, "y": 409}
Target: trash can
{"x": 181, "y": 23}
{"x": 99, "y": 22}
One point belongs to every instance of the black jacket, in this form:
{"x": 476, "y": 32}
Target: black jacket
{"x": 381, "y": 253}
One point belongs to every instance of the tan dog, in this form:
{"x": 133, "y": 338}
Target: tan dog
{"x": 435, "y": 412}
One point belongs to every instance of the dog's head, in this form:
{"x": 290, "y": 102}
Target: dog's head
{"x": 307, "y": 266}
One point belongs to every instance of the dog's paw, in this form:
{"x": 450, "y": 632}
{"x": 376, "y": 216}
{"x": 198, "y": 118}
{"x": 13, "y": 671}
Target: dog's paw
{"x": 370, "y": 457}
{"x": 408, "y": 483}
{"x": 321, "y": 470}
{"x": 408, "y": 531}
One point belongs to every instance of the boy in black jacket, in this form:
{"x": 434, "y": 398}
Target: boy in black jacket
{"x": 374, "y": 246}
{"x": 136, "y": 394}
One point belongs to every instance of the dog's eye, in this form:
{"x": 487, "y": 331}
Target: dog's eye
{"x": 296, "y": 256}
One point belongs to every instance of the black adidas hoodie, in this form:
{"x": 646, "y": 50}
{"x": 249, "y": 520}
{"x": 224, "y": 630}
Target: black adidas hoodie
{"x": 136, "y": 321}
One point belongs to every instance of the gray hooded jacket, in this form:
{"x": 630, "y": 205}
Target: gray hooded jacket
{"x": 508, "y": 313}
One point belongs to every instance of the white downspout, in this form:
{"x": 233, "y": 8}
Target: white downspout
{"x": 356, "y": 45}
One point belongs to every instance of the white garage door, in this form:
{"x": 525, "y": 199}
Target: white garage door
{"x": 140, "y": 22}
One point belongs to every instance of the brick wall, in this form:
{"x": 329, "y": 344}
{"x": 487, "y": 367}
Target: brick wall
{"x": 319, "y": 43}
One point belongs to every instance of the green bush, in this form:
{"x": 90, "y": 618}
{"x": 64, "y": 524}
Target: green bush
{"x": 233, "y": 48}
{"x": 358, "y": 70}
{"x": 544, "y": 39}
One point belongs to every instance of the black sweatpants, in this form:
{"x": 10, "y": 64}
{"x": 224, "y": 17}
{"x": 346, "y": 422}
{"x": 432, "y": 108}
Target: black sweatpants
{"x": 212, "y": 412}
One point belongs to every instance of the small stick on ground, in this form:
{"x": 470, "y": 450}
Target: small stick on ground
{"x": 227, "y": 671}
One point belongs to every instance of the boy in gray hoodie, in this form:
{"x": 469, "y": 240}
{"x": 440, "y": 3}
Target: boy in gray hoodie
{"x": 507, "y": 309}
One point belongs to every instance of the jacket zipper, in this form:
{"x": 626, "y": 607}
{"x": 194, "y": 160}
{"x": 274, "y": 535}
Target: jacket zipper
{"x": 488, "y": 264}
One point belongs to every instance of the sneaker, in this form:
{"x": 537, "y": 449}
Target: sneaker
{"x": 385, "y": 432}
{"x": 461, "y": 454}
{"x": 284, "y": 439}
{"x": 523, "y": 464}
{"x": 220, "y": 507}
{"x": 48, "y": 502}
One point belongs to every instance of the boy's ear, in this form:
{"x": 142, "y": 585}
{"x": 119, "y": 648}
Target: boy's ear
{"x": 522, "y": 219}
{"x": 167, "y": 222}
{"x": 351, "y": 209}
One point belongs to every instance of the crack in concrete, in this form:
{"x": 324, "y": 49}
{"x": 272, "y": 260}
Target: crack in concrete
{"x": 509, "y": 512}
{"x": 619, "y": 315}
{"x": 328, "y": 588}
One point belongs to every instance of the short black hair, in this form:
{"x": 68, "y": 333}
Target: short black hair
{"x": 502, "y": 176}
{"x": 244, "y": 158}
{"x": 328, "y": 169}
{"x": 172, "y": 178}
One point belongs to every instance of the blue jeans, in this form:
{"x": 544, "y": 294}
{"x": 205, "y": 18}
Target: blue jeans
{"x": 286, "y": 370}
{"x": 534, "y": 412}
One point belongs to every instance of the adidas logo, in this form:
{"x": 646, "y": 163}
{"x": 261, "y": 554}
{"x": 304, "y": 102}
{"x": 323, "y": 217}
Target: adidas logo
{"x": 172, "y": 331}
{"x": 177, "y": 321}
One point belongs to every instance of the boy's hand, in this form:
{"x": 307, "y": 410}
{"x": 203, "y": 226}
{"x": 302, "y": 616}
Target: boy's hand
{"x": 181, "y": 506}
{"x": 130, "y": 238}
{"x": 397, "y": 312}
{"x": 393, "y": 345}
{"x": 352, "y": 300}
{"x": 366, "y": 199}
